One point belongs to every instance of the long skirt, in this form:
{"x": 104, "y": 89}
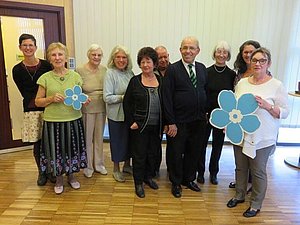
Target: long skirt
{"x": 119, "y": 140}
{"x": 63, "y": 148}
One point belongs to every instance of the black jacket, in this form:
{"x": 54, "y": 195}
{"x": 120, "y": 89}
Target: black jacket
{"x": 182, "y": 102}
{"x": 136, "y": 102}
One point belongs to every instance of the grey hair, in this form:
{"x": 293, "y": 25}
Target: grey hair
{"x": 190, "y": 38}
{"x": 93, "y": 47}
{"x": 222, "y": 45}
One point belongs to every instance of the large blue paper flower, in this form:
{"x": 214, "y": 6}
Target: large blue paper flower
{"x": 75, "y": 97}
{"x": 235, "y": 115}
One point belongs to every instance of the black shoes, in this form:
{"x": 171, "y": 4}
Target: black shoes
{"x": 200, "y": 179}
{"x": 233, "y": 202}
{"x": 176, "y": 190}
{"x": 214, "y": 179}
{"x": 139, "y": 190}
{"x": 232, "y": 184}
{"x": 42, "y": 179}
{"x": 151, "y": 183}
{"x": 193, "y": 186}
{"x": 251, "y": 212}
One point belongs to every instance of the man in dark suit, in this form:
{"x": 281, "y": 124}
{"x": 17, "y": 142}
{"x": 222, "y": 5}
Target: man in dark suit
{"x": 184, "y": 99}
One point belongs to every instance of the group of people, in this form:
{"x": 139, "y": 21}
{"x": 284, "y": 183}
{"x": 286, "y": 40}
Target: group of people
{"x": 172, "y": 98}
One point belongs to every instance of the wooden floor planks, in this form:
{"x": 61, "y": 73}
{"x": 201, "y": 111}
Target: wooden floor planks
{"x": 101, "y": 200}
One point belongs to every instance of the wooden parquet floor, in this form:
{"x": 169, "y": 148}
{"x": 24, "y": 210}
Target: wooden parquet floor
{"x": 101, "y": 200}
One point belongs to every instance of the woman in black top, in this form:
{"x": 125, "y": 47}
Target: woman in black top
{"x": 25, "y": 75}
{"x": 220, "y": 77}
{"x": 142, "y": 108}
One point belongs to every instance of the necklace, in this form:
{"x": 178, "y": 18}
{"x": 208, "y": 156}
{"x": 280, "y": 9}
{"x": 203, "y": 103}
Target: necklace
{"x": 30, "y": 74}
{"x": 219, "y": 71}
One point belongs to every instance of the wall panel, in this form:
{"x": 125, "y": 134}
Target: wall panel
{"x": 139, "y": 23}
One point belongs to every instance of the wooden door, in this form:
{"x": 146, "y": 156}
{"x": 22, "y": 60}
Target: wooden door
{"x": 54, "y": 30}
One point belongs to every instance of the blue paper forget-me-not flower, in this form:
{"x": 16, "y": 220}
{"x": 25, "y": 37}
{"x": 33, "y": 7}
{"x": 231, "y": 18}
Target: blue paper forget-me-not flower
{"x": 235, "y": 115}
{"x": 75, "y": 97}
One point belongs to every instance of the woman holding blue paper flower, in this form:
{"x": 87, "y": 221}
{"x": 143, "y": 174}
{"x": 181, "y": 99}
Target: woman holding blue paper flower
{"x": 253, "y": 153}
{"x": 63, "y": 143}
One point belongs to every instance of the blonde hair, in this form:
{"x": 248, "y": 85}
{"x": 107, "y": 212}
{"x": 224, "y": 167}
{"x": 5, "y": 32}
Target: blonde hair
{"x": 55, "y": 45}
{"x": 115, "y": 50}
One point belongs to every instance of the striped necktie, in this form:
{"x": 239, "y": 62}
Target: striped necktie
{"x": 192, "y": 75}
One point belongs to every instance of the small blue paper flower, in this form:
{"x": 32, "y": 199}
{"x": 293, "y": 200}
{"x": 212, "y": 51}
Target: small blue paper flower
{"x": 75, "y": 97}
{"x": 236, "y": 115}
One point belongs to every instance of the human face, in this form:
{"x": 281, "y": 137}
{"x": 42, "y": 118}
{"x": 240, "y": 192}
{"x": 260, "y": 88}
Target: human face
{"x": 121, "y": 60}
{"x": 260, "y": 63}
{"x": 28, "y": 48}
{"x": 189, "y": 50}
{"x": 221, "y": 56}
{"x": 58, "y": 58}
{"x": 147, "y": 65}
{"x": 163, "y": 59}
{"x": 246, "y": 54}
{"x": 95, "y": 57}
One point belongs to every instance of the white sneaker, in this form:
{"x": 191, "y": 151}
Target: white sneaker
{"x": 102, "y": 170}
{"x": 87, "y": 173}
{"x": 58, "y": 189}
{"x": 74, "y": 184}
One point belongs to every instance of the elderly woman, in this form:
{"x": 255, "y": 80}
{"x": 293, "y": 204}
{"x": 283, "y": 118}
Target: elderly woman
{"x": 220, "y": 77}
{"x": 93, "y": 114}
{"x": 256, "y": 148}
{"x": 115, "y": 83}
{"x": 63, "y": 143}
{"x": 142, "y": 107}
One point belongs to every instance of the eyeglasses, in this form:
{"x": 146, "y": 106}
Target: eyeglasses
{"x": 191, "y": 48}
{"x": 28, "y": 46}
{"x": 261, "y": 61}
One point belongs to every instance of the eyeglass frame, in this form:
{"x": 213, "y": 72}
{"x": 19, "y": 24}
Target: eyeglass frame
{"x": 260, "y": 61}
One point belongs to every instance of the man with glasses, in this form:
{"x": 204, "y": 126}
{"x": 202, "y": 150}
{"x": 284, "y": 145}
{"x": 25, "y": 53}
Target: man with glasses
{"x": 184, "y": 98}
{"x": 25, "y": 75}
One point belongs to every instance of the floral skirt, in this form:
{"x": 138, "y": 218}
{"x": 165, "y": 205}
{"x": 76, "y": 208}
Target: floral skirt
{"x": 63, "y": 148}
{"x": 32, "y": 126}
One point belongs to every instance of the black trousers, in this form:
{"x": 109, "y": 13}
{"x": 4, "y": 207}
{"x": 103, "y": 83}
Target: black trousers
{"x": 217, "y": 145}
{"x": 184, "y": 151}
{"x": 144, "y": 152}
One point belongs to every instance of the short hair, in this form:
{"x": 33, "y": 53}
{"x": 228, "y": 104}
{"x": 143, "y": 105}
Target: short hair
{"x": 263, "y": 51}
{"x": 161, "y": 47}
{"x": 239, "y": 64}
{"x": 149, "y": 53}
{"x": 222, "y": 45}
{"x": 55, "y": 45}
{"x": 27, "y": 36}
{"x": 115, "y": 50}
{"x": 93, "y": 47}
{"x": 190, "y": 38}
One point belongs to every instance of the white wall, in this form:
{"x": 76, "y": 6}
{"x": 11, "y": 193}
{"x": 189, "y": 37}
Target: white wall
{"x": 140, "y": 23}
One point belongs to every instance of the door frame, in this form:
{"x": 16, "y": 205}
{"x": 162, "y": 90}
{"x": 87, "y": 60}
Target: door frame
{"x": 54, "y": 30}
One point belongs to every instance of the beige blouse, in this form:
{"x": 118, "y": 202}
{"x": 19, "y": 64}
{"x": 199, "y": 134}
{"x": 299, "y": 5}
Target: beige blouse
{"x": 93, "y": 87}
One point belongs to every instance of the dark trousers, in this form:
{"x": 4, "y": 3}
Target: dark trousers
{"x": 144, "y": 152}
{"x": 217, "y": 145}
{"x": 184, "y": 151}
{"x": 36, "y": 154}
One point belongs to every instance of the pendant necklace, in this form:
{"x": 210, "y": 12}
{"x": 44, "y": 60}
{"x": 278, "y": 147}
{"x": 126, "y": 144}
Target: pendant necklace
{"x": 219, "y": 71}
{"x": 30, "y": 74}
